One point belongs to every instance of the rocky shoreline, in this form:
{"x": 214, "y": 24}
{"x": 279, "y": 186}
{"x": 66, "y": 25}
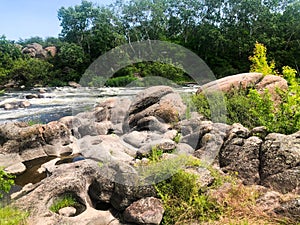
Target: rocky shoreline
{"x": 114, "y": 141}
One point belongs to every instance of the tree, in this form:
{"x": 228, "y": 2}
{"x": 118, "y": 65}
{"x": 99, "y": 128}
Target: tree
{"x": 259, "y": 61}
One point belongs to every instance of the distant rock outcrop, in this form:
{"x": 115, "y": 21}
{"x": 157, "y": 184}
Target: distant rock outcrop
{"x": 36, "y": 50}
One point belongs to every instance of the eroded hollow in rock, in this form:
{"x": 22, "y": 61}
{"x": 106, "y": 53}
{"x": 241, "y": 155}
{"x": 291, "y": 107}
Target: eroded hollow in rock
{"x": 31, "y": 175}
{"x": 94, "y": 192}
{"x": 64, "y": 200}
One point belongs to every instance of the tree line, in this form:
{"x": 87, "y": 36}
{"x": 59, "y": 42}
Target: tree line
{"x": 222, "y": 33}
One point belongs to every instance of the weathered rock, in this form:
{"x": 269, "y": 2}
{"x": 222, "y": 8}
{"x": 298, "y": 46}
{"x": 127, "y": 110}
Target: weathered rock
{"x": 290, "y": 209}
{"x": 51, "y": 50}
{"x": 136, "y": 138}
{"x": 160, "y": 102}
{"x": 31, "y": 96}
{"x": 74, "y": 178}
{"x": 242, "y": 156}
{"x": 166, "y": 145}
{"x": 16, "y": 169}
{"x": 16, "y": 105}
{"x": 67, "y": 211}
{"x": 280, "y": 159}
{"x": 105, "y": 148}
{"x": 226, "y": 84}
{"x": 269, "y": 200}
{"x": 31, "y": 142}
{"x": 145, "y": 211}
{"x": 204, "y": 177}
{"x": 35, "y": 50}
{"x": 272, "y": 83}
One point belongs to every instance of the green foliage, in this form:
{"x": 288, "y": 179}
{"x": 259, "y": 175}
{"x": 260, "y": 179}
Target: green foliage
{"x": 66, "y": 200}
{"x": 155, "y": 154}
{"x": 120, "y": 81}
{"x": 259, "y": 61}
{"x": 183, "y": 202}
{"x": 6, "y": 181}
{"x": 29, "y": 71}
{"x": 177, "y": 138}
{"x": 12, "y": 216}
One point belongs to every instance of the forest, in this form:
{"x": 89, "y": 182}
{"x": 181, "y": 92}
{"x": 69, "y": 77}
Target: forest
{"x": 222, "y": 33}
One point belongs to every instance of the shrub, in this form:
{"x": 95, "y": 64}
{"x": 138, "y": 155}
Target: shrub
{"x": 259, "y": 61}
{"x": 6, "y": 181}
{"x": 12, "y": 216}
{"x": 120, "y": 81}
{"x": 183, "y": 202}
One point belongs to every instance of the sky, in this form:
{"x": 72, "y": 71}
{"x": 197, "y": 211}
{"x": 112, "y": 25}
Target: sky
{"x": 22, "y": 19}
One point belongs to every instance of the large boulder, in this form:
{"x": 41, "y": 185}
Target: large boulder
{"x": 280, "y": 160}
{"x": 226, "y": 84}
{"x": 160, "y": 102}
{"x": 248, "y": 80}
{"x": 21, "y": 142}
{"x": 77, "y": 179}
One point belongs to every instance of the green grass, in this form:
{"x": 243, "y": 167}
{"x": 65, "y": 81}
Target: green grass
{"x": 12, "y": 216}
{"x": 65, "y": 201}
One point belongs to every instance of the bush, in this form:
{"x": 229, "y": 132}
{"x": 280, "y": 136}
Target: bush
{"x": 120, "y": 81}
{"x": 6, "y": 181}
{"x": 183, "y": 202}
{"x": 12, "y": 216}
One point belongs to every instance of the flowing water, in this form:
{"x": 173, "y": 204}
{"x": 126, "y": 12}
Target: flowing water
{"x": 59, "y": 102}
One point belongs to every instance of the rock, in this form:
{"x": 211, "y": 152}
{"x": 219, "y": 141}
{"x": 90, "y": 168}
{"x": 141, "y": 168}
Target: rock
{"x": 204, "y": 177}
{"x": 269, "y": 201}
{"x": 136, "y": 138}
{"x": 25, "y": 104}
{"x": 42, "y": 90}
{"x": 31, "y": 96}
{"x": 290, "y": 209}
{"x": 272, "y": 83}
{"x": 10, "y": 106}
{"x": 16, "y": 105}
{"x": 165, "y": 145}
{"x": 72, "y": 123}
{"x": 67, "y": 211}
{"x": 35, "y": 50}
{"x": 242, "y": 156}
{"x": 79, "y": 179}
{"x": 160, "y": 102}
{"x": 74, "y": 84}
{"x": 248, "y": 80}
{"x": 31, "y": 142}
{"x": 105, "y": 148}
{"x": 16, "y": 169}
{"x": 226, "y": 84}
{"x": 145, "y": 211}
{"x": 51, "y": 50}
{"x": 183, "y": 148}
{"x": 280, "y": 159}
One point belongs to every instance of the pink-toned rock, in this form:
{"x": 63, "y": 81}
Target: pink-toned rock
{"x": 52, "y": 50}
{"x": 226, "y": 84}
{"x": 272, "y": 83}
{"x": 145, "y": 211}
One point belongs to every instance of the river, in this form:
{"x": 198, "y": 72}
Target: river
{"x": 63, "y": 101}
